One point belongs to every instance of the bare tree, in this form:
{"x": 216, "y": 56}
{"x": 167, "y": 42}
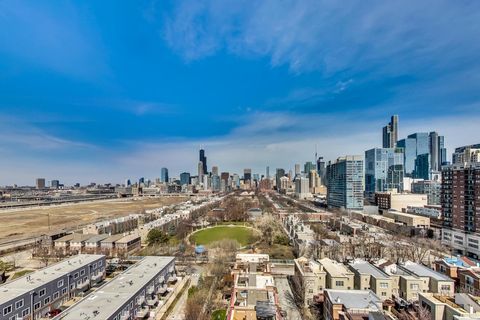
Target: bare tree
{"x": 194, "y": 306}
{"x": 296, "y": 296}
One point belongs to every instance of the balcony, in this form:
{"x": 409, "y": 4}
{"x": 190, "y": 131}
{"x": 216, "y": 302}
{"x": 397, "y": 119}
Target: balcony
{"x": 151, "y": 289}
{"x": 125, "y": 316}
{"x": 172, "y": 278}
{"x": 97, "y": 277}
{"x": 82, "y": 285}
{"x": 141, "y": 300}
{"x": 161, "y": 279}
{"x": 162, "y": 289}
{"x": 152, "y": 301}
{"x": 142, "y": 313}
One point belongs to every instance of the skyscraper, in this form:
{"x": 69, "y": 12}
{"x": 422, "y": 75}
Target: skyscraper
{"x": 267, "y": 172}
{"x": 40, "y": 183}
{"x": 309, "y": 166}
{"x": 302, "y": 188}
{"x": 421, "y": 143}
{"x": 203, "y": 160}
{"x": 200, "y": 170}
{"x": 345, "y": 183}
{"x": 247, "y": 175}
{"x": 215, "y": 170}
{"x": 164, "y": 175}
{"x": 383, "y": 170}
{"x": 297, "y": 169}
{"x": 390, "y": 133}
{"x": 184, "y": 178}
{"x": 280, "y": 173}
{"x": 321, "y": 170}
{"x": 55, "y": 184}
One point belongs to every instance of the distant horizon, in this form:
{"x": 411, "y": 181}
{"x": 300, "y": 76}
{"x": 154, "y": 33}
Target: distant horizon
{"x": 91, "y": 94}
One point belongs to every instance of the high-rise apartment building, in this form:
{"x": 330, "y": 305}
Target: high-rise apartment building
{"x": 460, "y": 200}
{"x": 203, "y": 160}
{"x": 345, "y": 183}
{"x": 390, "y": 133}
{"x": 40, "y": 183}
{"x": 280, "y": 173}
{"x": 383, "y": 170}
{"x": 184, "y": 178}
{"x": 302, "y": 188}
{"x": 164, "y": 175}
{"x": 469, "y": 153}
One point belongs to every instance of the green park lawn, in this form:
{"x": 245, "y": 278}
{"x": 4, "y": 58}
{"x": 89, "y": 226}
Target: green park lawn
{"x": 243, "y": 235}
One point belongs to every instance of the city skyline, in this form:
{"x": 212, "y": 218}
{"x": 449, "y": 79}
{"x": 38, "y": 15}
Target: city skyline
{"x": 123, "y": 102}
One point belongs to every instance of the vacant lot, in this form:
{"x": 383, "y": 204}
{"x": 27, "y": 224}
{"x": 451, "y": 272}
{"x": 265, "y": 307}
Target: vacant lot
{"x": 243, "y": 235}
{"x": 30, "y": 222}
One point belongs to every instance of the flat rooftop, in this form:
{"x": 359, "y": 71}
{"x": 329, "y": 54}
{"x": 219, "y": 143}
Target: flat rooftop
{"x": 97, "y": 238}
{"x": 335, "y": 268}
{"x": 423, "y": 271}
{"x": 37, "y": 279}
{"x": 355, "y": 299}
{"x": 113, "y": 295}
{"x": 128, "y": 238}
{"x": 365, "y": 267}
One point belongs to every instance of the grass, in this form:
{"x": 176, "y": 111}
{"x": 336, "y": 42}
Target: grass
{"x": 243, "y": 235}
{"x": 21, "y": 273}
{"x": 219, "y": 314}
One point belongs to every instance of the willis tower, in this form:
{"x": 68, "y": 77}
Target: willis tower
{"x": 203, "y": 160}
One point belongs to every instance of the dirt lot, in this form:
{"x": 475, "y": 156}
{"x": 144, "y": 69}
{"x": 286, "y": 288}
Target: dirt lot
{"x": 29, "y": 222}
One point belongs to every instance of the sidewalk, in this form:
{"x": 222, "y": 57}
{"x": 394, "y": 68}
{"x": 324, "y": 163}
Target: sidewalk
{"x": 162, "y": 310}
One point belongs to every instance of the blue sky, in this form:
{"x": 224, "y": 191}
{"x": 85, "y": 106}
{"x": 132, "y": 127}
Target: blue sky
{"x": 105, "y": 90}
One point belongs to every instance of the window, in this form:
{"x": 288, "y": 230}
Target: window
{"x": 42, "y": 292}
{"x": 46, "y": 301}
{"x": 384, "y": 294}
{"x": 82, "y": 272}
{"x": 99, "y": 263}
{"x": 383, "y": 285}
{"x": 94, "y": 265}
{"x": 72, "y": 286}
{"x": 19, "y": 304}
{"x": 79, "y": 282}
{"x": 414, "y": 286}
{"x": 339, "y": 283}
{"x": 64, "y": 290}
{"x": 7, "y": 310}
{"x": 60, "y": 284}
{"x": 36, "y": 306}
{"x": 445, "y": 287}
{"x": 25, "y": 312}
{"x": 56, "y": 295}
{"x": 75, "y": 276}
